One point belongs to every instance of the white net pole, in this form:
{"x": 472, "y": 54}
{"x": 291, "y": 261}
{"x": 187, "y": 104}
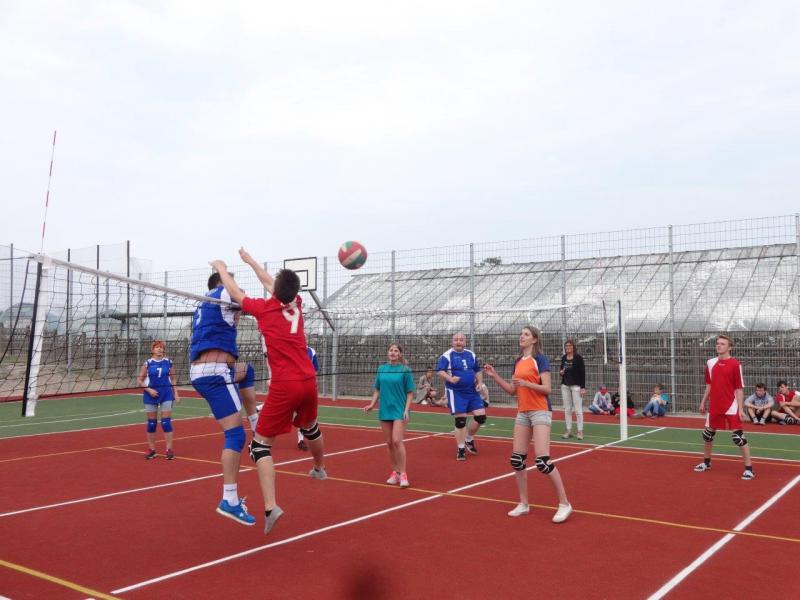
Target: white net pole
{"x": 623, "y": 375}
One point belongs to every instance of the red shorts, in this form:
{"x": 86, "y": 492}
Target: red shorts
{"x": 724, "y": 421}
{"x": 288, "y": 403}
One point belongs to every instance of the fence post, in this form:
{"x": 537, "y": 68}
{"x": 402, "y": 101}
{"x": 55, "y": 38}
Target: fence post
{"x": 69, "y": 317}
{"x": 334, "y": 359}
{"x": 128, "y": 304}
{"x": 393, "y": 298}
{"x": 326, "y": 360}
{"x": 672, "y": 378}
{"x": 563, "y": 289}
{"x": 11, "y": 279}
{"x": 471, "y": 338}
{"x": 797, "y": 274}
{"x": 97, "y": 313}
{"x": 139, "y": 329}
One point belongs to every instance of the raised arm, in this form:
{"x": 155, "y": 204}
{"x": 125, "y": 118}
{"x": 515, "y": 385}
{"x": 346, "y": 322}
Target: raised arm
{"x": 265, "y": 278}
{"x": 507, "y": 387}
{"x": 233, "y": 290}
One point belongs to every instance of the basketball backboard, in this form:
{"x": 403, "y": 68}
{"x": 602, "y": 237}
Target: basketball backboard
{"x": 306, "y": 269}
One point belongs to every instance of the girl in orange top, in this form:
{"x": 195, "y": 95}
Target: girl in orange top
{"x": 531, "y": 385}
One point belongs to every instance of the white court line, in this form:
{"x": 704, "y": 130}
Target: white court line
{"x": 346, "y": 523}
{"x": 83, "y": 418}
{"x": 163, "y": 485}
{"x": 670, "y": 585}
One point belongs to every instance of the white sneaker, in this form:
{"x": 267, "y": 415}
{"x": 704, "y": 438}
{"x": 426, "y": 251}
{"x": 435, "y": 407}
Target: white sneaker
{"x": 519, "y": 509}
{"x": 317, "y": 473}
{"x": 394, "y": 478}
{"x": 702, "y": 467}
{"x": 748, "y": 474}
{"x": 563, "y": 513}
{"x": 424, "y": 402}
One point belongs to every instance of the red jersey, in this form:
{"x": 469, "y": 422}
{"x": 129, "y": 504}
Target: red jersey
{"x": 788, "y": 397}
{"x": 284, "y": 336}
{"x": 725, "y": 377}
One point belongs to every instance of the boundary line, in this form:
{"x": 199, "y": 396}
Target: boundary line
{"x": 684, "y": 573}
{"x": 56, "y": 580}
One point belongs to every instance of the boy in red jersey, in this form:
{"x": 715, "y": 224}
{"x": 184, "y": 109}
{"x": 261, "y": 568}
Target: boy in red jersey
{"x": 292, "y": 396}
{"x": 725, "y": 396}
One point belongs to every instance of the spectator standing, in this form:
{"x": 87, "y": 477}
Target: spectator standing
{"x": 573, "y": 387}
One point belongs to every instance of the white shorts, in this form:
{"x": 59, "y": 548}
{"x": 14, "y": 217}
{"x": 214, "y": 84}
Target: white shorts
{"x": 529, "y": 418}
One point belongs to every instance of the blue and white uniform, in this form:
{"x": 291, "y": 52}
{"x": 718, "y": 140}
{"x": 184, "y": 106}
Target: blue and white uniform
{"x": 312, "y": 354}
{"x": 462, "y": 397}
{"x": 158, "y": 379}
{"x": 214, "y": 328}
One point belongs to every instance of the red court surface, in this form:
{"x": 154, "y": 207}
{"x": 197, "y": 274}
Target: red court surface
{"x": 640, "y": 518}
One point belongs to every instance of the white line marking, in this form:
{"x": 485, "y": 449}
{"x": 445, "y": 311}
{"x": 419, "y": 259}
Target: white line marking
{"x": 670, "y": 585}
{"x": 102, "y": 416}
{"x": 341, "y": 524}
{"x": 163, "y": 485}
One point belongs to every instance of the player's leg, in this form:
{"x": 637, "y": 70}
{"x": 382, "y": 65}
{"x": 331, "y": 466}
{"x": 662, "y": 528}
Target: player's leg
{"x": 301, "y": 441}
{"x": 519, "y": 454}
{"x": 751, "y": 413}
{"x": 541, "y": 443}
{"x": 478, "y": 419}
{"x": 306, "y": 420}
{"x": 152, "y": 422}
{"x": 708, "y": 444}
{"x": 166, "y": 427}
{"x": 739, "y": 439}
{"x": 394, "y": 477}
{"x": 244, "y": 375}
{"x": 566, "y": 398}
{"x": 260, "y": 449}
{"x": 398, "y": 433}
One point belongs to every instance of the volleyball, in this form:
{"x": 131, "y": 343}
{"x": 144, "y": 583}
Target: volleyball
{"x": 352, "y": 255}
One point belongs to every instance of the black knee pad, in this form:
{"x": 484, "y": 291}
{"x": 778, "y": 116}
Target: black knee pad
{"x": 708, "y": 434}
{"x": 259, "y": 450}
{"x": 312, "y": 433}
{"x": 461, "y": 422}
{"x": 518, "y": 461}
{"x": 480, "y": 419}
{"x": 544, "y": 465}
{"x": 738, "y": 438}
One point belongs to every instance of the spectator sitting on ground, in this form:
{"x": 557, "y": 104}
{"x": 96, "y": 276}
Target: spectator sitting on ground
{"x": 426, "y": 393}
{"x": 657, "y": 406}
{"x": 759, "y": 405}
{"x": 601, "y": 404}
{"x": 787, "y": 401}
{"x": 615, "y": 403}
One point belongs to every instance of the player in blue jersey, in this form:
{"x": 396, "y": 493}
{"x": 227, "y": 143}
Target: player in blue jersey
{"x": 213, "y": 354}
{"x": 461, "y": 371}
{"x": 158, "y": 380}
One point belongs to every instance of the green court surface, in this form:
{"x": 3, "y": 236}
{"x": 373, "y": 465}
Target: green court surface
{"x": 91, "y": 412}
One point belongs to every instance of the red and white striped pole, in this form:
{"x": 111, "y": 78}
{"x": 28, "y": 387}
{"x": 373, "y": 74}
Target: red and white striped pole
{"x": 47, "y": 196}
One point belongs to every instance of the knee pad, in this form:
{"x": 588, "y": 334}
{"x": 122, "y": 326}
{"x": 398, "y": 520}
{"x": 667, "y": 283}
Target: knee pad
{"x": 259, "y": 450}
{"x": 461, "y": 422}
{"x": 151, "y": 426}
{"x": 708, "y": 434}
{"x": 544, "y": 465}
{"x": 518, "y": 461}
{"x": 249, "y": 378}
{"x": 234, "y": 438}
{"x": 166, "y": 424}
{"x": 312, "y": 433}
{"x": 738, "y": 438}
{"x": 480, "y": 419}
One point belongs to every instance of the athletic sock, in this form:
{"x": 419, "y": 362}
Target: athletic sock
{"x": 253, "y": 420}
{"x": 470, "y": 438}
{"x": 267, "y": 513}
{"x": 748, "y": 467}
{"x": 707, "y": 461}
{"x": 461, "y": 446}
{"x": 230, "y": 493}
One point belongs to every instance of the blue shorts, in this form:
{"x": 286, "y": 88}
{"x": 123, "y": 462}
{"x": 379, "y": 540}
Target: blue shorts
{"x": 463, "y": 402}
{"x": 214, "y": 383}
{"x": 164, "y": 395}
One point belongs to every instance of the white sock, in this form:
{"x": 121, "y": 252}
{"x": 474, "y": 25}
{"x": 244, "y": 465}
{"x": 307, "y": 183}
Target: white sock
{"x": 299, "y": 436}
{"x": 253, "y": 420}
{"x": 461, "y": 445}
{"x": 470, "y": 438}
{"x": 230, "y": 493}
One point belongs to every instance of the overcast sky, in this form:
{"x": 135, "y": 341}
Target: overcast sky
{"x": 192, "y": 127}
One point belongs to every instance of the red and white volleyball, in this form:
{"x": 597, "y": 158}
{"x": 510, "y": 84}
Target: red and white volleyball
{"x": 352, "y": 255}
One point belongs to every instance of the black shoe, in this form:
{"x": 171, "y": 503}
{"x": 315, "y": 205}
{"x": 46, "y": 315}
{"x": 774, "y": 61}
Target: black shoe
{"x": 471, "y": 447}
{"x": 301, "y": 445}
{"x": 462, "y": 454}
{"x": 150, "y": 455}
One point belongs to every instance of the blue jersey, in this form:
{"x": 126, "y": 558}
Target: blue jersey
{"x": 213, "y": 326}
{"x": 312, "y": 354}
{"x": 462, "y": 364}
{"x": 158, "y": 377}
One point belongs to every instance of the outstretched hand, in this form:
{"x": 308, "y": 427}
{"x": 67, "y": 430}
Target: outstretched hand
{"x": 245, "y": 255}
{"x": 219, "y": 265}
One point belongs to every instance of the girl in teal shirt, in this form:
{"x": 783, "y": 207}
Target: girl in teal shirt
{"x": 394, "y": 385}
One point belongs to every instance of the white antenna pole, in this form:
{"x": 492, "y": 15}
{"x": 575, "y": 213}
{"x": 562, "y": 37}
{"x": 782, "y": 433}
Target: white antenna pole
{"x": 47, "y": 196}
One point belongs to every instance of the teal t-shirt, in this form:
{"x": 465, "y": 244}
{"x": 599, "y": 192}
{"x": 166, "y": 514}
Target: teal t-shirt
{"x": 393, "y": 383}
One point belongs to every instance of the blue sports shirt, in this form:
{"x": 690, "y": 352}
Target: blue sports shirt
{"x": 312, "y": 354}
{"x": 213, "y": 326}
{"x": 158, "y": 377}
{"x": 462, "y": 364}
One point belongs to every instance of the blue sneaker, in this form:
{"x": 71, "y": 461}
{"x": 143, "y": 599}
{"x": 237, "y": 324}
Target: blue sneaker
{"x": 237, "y": 512}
